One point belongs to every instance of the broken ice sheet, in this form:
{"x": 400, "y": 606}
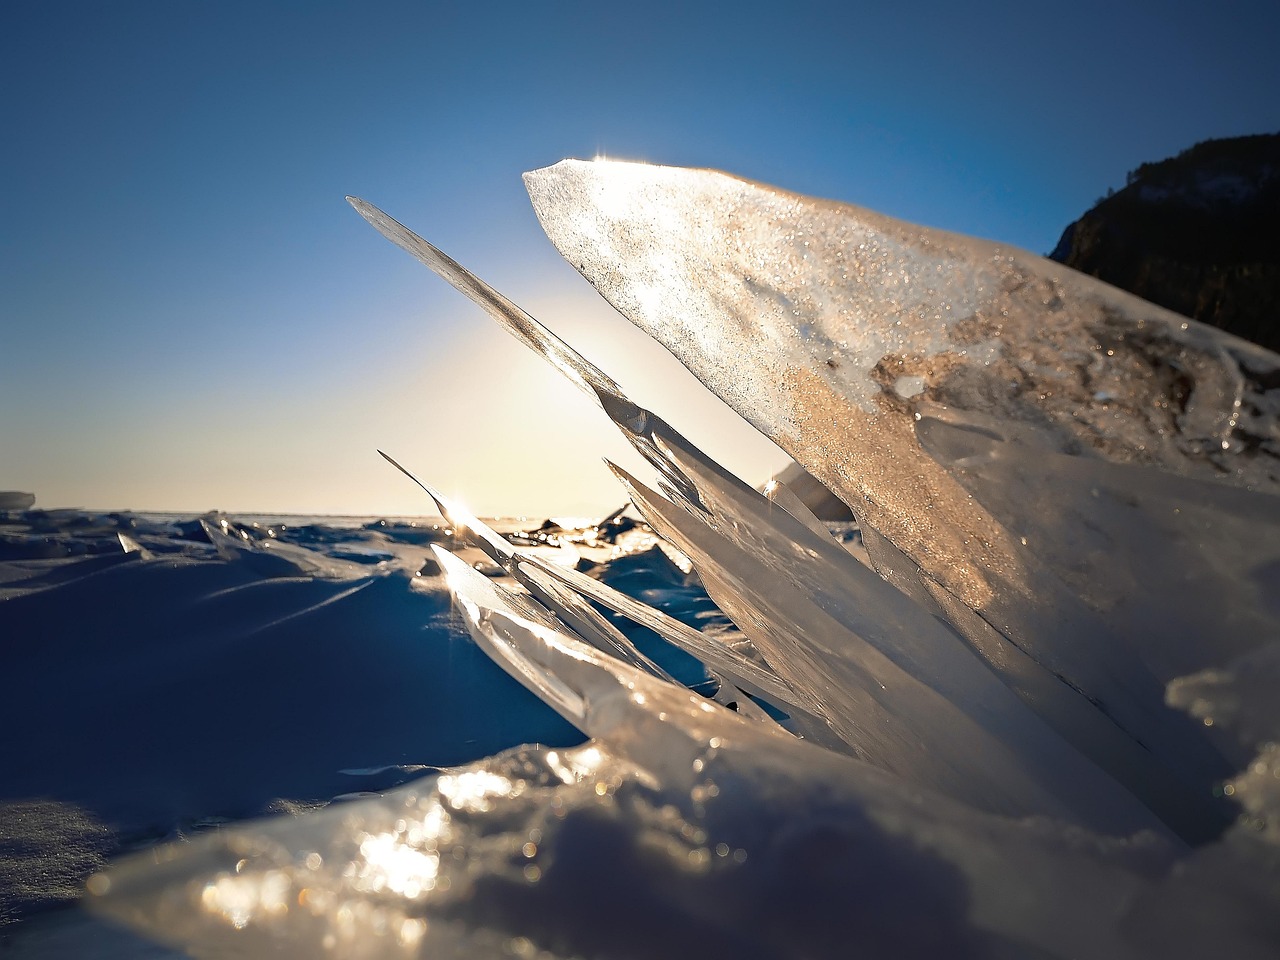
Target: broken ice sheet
{"x": 683, "y": 830}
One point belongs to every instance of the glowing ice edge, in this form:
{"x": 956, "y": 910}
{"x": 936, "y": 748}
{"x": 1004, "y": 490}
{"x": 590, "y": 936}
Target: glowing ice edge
{"x": 956, "y": 787}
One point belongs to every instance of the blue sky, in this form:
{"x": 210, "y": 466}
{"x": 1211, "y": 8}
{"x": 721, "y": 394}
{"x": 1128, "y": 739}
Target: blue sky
{"x": 191, "y": 317}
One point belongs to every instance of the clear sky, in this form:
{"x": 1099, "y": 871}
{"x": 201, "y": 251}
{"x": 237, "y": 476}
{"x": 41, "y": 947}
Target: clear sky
{"x": 192, "y": 318}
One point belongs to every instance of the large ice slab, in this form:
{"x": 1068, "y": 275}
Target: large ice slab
{"x": 892, "y": 360}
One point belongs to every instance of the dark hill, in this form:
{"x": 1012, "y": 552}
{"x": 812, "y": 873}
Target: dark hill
{"x": 1198, "y": 233}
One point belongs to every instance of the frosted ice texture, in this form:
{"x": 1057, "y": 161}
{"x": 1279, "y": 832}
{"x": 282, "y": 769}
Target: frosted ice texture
{"x": 806, "y": 316}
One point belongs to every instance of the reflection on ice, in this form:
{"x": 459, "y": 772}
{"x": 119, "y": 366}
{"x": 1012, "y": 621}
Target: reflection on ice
{"x": 399, "y": 865}
{"x": 476, "y": 790}
{"x": 241, "y": 899}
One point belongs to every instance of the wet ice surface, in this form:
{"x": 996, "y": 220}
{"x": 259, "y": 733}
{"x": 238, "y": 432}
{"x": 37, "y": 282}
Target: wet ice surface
{"x": 1043, "y": 725}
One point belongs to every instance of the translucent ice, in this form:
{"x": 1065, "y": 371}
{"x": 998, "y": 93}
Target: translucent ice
{"x": 877, "y": 353}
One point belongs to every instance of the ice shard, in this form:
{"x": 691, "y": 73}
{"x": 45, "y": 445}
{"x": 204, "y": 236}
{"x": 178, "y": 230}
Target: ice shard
{"x": 570, "y": 605}
{"x": 580, "y": 616}
{"x": 1098, "y": 695}
{"x": 276, "y": 558}
{"x": 896, "y": 685}
{"x": 875, "y": 352}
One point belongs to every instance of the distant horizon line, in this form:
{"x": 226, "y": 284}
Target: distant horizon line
{"x": 193, "y": 514}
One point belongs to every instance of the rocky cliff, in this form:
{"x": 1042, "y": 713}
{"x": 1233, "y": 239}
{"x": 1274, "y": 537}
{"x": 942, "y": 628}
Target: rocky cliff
{"x": 1198, "y": 233}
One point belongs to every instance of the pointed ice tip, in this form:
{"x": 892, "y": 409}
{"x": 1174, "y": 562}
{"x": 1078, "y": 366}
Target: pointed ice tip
{"x": 450, "y": 564}
{"x": 556, "y": 171}
{"x": 391, "y": 460}
{"x": 542, "y": 171}
{"x": 442, "y": 505}
{"x": 388, "y": 226}
{"x": 621, "y": 475}
{"x": 367, "y": 210}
